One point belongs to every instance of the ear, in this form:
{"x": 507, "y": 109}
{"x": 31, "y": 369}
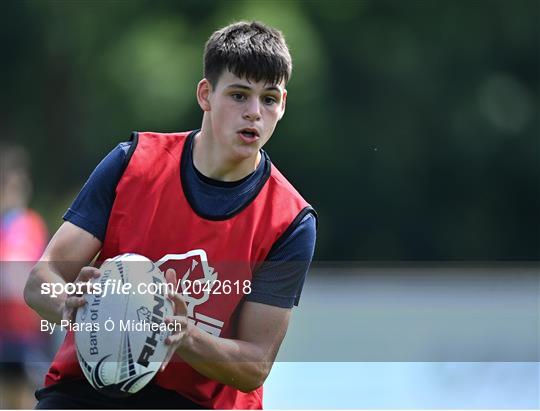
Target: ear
{"x": 283, "y": 104}
{"x": 204, "y": 88}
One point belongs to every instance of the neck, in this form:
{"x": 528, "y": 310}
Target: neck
{"x": 211, "y": 160}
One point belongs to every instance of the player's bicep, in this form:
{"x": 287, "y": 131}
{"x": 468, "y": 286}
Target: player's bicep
{"x": 263, "y": 325}
{"x": 279, "y": 280}
{"x": 70, "y": 249}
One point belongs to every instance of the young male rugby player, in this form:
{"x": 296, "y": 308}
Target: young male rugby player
{"x": 210, "y": 194}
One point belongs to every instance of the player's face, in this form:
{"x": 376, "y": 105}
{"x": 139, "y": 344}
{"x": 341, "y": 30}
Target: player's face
{"x": 244, "y": 114}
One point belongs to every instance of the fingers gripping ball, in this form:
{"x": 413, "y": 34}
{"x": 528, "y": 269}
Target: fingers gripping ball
{"x": 120, "y": 332}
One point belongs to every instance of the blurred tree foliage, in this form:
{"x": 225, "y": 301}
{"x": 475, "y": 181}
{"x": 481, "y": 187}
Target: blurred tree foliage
{"x": 412, "y": 126}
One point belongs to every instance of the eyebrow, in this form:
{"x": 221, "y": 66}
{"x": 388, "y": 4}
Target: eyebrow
{"x": 244, "y": 87}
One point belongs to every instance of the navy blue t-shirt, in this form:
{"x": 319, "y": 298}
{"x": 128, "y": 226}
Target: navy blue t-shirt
{"x": 277, "y": 282}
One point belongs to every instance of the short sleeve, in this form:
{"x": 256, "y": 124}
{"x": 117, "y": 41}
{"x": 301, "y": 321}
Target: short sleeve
{"x": 92, "y": 207}
{"x": 280, "y": 279}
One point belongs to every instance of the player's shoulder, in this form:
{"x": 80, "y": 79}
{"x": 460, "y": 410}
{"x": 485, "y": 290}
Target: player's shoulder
{"x": 278, "y": 179}
{"x": 161, "y": 137}
{"x": 154, "y": 142}
{"x": 116, "y": 161}
{"x": 161, "y": 134}
{"x": 124, "y": 147}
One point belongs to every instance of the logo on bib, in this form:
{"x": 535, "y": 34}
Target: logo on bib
{"x": 196, "y": 279}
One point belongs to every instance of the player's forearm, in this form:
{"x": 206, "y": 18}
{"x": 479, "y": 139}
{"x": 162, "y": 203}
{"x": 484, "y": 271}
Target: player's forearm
{"x": 240, "y": 364}
{"x": 48, "y": 308}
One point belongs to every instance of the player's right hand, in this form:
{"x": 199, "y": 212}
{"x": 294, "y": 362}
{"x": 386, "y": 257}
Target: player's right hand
{"x": 75, "y": 301}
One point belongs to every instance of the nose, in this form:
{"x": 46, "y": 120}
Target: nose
{"x": 253, "y": 110}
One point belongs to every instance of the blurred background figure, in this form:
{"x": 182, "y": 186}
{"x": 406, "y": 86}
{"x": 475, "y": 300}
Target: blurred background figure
{"x": 23, "y": 236}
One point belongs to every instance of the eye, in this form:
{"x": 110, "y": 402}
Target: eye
{"x": 269, "y": 100}
{"x": 238, "y": 97}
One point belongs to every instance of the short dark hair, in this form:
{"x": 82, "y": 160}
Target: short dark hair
{"x": 248, "y": 49}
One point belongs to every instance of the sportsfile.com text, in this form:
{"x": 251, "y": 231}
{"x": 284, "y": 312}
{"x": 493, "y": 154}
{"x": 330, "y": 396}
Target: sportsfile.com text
{"x": 112, "y": 286}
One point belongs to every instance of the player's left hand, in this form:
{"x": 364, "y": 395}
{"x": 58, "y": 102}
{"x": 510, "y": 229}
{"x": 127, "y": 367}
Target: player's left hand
{"x": 179, "y": 318}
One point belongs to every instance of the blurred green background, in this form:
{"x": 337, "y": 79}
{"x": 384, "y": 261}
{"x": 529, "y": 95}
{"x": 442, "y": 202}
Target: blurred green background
{"x": 412, "y": 126}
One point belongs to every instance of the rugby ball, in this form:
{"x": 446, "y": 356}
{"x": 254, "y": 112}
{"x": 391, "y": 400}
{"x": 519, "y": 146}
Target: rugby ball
{"x": 120, "y": 332}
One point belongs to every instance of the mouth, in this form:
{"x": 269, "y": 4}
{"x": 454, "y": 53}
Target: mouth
{"x": 249, "y": 134}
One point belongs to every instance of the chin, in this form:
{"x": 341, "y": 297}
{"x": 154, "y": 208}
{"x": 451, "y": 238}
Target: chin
{"x": 245, "y": 153}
